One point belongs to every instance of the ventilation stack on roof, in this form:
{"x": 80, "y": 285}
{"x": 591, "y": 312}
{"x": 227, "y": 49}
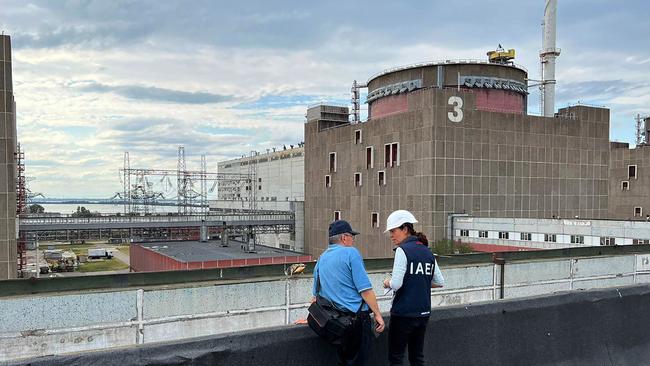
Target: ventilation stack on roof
{"x": 547, "y": 56}
{"x": 8, "y": 248}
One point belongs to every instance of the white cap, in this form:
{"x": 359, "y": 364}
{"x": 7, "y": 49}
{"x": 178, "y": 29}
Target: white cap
{"x": 399, "y": 218}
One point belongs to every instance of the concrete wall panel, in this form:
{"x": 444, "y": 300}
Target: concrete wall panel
{"x": 442, "y": 299}
{"x": 536, "y": 289}
{"x": 296, "y": 314}
{"x": 385, "y": 302}
{"x": 66, "y": 311}
{"x": 209, "y": 326}
{"x": 586, "y": 267}
{"x": 377, "y": 280}
{"x": 473, "y": 276}
{"x": 603, "y": 283}
{"x": 531, "y": 272}
{"x": 200, "y": 300}
{"x": 38, "y": 345}
{"x": 300, "y": 290}
{"x": 643, "y": 278}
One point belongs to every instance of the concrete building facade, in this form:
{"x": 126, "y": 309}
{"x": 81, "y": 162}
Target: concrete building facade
{"x": 279, "y": 176}
{"x": 445, "y": 148}
{"x": 507, "y": 234}
{"x": 8, "y": 222}
{"x": 629, "y": 186}
{"x": 279, "y": 186}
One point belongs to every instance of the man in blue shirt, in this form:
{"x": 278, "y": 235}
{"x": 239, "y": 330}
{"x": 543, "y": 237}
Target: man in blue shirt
{"x": 344, "y": 281}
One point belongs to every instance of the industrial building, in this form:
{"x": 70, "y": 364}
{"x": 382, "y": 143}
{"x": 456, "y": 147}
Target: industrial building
{"x": 449, "y": 137}
{"x": 629, "y": 171}
{"x": 279, "y": 178}
{"x": 9, "y": 256}
{"x": 508, "y": 234}
{"x": 279, "y": 186}
{"x": 179, "y": 255}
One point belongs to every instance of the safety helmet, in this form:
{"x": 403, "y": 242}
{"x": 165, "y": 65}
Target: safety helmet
{"x": 399, "y": 218}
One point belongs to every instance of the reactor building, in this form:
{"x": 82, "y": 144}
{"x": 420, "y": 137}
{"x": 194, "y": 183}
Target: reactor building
{"x": 450, "y": 137}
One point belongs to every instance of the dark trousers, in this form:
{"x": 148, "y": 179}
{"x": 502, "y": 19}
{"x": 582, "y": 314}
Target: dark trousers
{"x": 356, "y": 345}
{"x": 403, "y": 331}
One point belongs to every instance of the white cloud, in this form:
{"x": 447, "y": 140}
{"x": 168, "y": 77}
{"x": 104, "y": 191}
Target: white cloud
{"x": 248, "y": 53}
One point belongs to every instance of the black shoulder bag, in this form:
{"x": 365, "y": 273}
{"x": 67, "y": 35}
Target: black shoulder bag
{"x": 329, "y": 322}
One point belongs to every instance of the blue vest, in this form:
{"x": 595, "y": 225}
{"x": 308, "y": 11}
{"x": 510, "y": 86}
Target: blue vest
{"x": 413, "y": 299}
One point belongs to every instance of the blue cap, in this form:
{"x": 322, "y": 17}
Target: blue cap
{"x": 341, "y": 227}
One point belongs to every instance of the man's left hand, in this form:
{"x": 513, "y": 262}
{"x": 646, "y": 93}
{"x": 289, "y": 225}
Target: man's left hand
{"x": 380, "y": 323}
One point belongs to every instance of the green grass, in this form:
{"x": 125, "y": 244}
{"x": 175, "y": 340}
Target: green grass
{"x": 80, "y": 250}
{"x": 446, "y": 247}
{"x": 77, "y": 249}
{"x": 105, "y": 265}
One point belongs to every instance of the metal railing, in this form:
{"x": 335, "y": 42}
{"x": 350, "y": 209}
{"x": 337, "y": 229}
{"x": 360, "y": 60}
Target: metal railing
{"x": 583, "y": 104}
{"x": 156, "y": 219}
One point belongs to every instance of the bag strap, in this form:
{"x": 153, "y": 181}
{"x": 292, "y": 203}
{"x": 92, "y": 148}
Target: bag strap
{"x": 361, "y": 305}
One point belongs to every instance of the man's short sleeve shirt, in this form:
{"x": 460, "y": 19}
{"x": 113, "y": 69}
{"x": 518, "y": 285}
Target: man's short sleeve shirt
{"x": 342, "y": 277}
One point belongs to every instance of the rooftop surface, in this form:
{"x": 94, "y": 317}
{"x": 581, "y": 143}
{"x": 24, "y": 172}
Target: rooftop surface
{"x": 195, "y": 251}
{"x": 442, "y": 62}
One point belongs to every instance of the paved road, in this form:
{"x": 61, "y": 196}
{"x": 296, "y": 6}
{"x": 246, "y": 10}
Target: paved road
{"x": 123, "y": 257}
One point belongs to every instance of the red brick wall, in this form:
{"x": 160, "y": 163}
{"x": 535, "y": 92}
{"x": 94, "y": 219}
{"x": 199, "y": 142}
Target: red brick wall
{"x": 389, "y": 105}
{"x": 147, "y": 260}
{"x": 499, "y": 101}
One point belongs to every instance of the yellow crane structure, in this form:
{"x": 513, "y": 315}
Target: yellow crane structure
{"x": 501, "y": 56}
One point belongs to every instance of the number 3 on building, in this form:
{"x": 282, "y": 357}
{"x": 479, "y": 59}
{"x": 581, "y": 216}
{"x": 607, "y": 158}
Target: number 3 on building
{"x": 457, "y": 114}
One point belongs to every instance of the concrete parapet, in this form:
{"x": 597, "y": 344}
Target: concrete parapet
{"x": 140, "y": 309}
{"x": 579, "y": 328}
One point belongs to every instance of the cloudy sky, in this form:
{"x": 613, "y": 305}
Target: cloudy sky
{"x": 95, "y": 78}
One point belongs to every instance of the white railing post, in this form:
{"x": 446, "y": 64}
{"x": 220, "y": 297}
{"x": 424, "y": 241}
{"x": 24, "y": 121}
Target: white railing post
{"x": 140, "y": 316}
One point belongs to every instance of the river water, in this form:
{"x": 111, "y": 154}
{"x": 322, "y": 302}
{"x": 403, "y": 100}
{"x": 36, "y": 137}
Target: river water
{"x": 67, "y": 209}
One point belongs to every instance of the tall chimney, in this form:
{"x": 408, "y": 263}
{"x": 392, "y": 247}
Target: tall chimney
{"x": 547, "y": 55}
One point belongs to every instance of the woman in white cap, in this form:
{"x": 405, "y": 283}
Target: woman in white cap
{"x": 415, "y": 272}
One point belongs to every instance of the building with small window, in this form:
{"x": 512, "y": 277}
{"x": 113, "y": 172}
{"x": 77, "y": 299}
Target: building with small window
{"x": 629, "y": 172}
{"x": 451, "y": 137}
{"x": 279, "y": 176}
{"x": 278, "y": 185}
{"x": 515, "y": 234}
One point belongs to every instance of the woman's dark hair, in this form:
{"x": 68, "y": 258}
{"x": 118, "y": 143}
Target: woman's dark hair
{"x": 421, "y": 237}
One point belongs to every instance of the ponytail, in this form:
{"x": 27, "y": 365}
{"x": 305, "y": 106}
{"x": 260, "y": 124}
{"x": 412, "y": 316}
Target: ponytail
{"x": 420, "y": 235}
{"x": 422, "y": 238}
